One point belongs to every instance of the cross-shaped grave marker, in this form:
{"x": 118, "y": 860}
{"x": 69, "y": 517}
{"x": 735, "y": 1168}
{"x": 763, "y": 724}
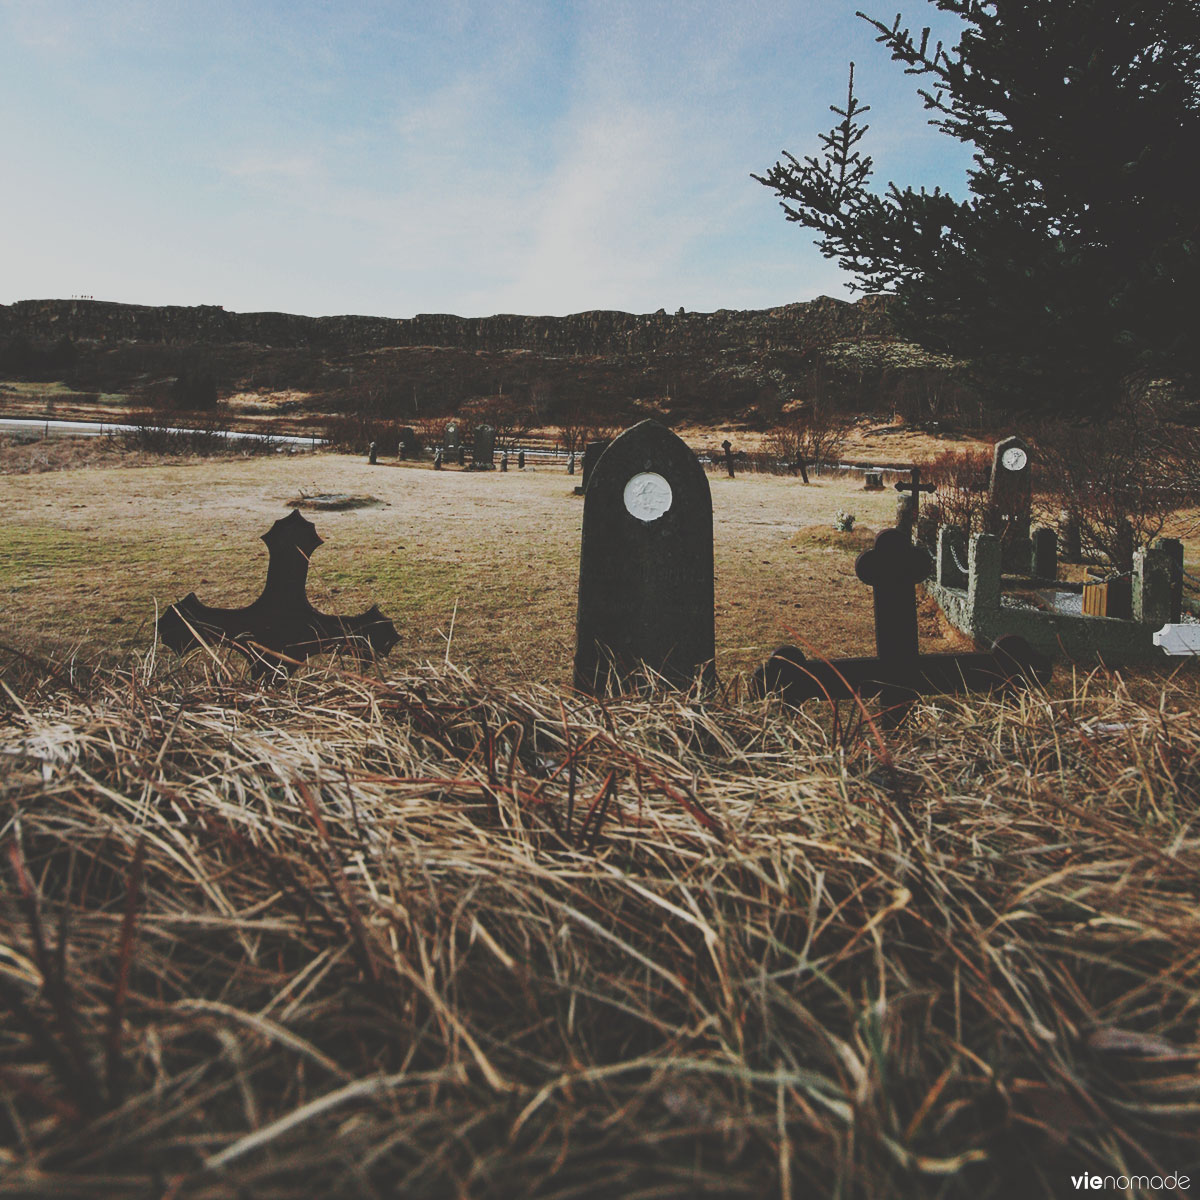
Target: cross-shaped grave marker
{"x": 281, "y": 621}
{"x": 910, "y": 492}
{"x": 900, "y": 672}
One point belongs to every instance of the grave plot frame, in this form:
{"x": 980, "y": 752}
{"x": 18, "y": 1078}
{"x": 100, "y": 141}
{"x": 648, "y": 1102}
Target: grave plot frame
{"x": 899, "y": 674}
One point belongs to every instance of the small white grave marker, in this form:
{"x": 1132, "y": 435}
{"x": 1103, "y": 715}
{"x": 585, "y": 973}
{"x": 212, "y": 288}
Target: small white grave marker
{"x": 1178, "y": 639}
{"x": 647, "y": 496}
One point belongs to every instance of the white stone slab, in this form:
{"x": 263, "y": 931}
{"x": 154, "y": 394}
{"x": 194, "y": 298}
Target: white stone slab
{"x": 1178, "y": 639}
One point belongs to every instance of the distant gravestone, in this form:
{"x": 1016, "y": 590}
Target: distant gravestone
{"x": 1072, "y": 537}
{"x": 437, "y": 459}
{"x": 462, "y": 455}
{"x": 571, "y": 464}
{"x": 1010, "y": 500}
{"x": 727, "y": 446}
{"x": 410, "y": 444}
{"x": 504, "y": 461}
{"x": 372, "y": 455}
{"x": 591, "y": 456}
{"x": 873, "y": 481}
{"x": 450, "y": 440}
{"x": 520, "y": 460}
{"x": 483, "y": 455}
{"x": 645, "y": 564}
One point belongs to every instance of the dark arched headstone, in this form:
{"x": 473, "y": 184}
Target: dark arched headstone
{"x": 1010, "y": 497}
{"x": 645, "y": 564}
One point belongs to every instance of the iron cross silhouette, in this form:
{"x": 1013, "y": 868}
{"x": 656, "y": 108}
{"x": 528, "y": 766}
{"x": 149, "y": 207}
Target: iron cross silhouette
{"x": 899, "y": 673}
{"x": 281, "y": 622}
{"x": 913, "y": 487}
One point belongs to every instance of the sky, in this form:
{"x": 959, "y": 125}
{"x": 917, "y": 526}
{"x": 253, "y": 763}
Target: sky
{"x": 398, "y": 158}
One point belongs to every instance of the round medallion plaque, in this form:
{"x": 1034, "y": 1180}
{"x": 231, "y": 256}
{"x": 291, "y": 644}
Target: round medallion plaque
{"x": 647, "y": 496}
{"x": 1014, "y": 459}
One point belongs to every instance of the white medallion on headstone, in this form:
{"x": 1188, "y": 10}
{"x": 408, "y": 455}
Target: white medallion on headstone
{"x": 1014, "y": 459}
{"x": 647, "y": 496}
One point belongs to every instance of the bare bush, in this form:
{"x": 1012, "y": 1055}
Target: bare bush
{"x": 961, "y": 477}
{"x": 1120, "y": 482}
{"x": 354, "y": 432}
{"x": 813, "y": 434}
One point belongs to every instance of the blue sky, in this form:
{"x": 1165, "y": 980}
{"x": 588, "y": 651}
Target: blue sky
{"x": 396, "y": 158}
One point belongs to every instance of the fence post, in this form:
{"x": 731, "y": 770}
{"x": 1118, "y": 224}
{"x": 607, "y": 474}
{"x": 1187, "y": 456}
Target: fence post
{"x": 950, "y": 545}
{"x": 983, "y": 577}
{"x": 1151, "y": 587}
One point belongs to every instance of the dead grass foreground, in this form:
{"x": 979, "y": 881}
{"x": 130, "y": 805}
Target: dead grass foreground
{"x": 417, "y": 937}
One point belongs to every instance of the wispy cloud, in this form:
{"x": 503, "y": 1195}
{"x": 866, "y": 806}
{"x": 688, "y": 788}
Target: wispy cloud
{"x": 518, "y": 155}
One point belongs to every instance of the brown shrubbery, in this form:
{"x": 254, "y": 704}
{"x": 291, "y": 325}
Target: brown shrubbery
{"x": 815, "y": 433}
{"x": 962, "y": 478}
{"x": 1120, "y": 481}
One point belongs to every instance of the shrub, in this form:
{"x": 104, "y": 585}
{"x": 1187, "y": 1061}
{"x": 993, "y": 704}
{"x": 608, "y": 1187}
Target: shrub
{"x": 813, "y": 434}
{"x": 961, "y": 499}
{"x": 1120, "y": 480}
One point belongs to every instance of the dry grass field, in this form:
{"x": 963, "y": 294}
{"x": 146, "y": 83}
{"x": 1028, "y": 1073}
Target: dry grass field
{"x": 482, "y": 566}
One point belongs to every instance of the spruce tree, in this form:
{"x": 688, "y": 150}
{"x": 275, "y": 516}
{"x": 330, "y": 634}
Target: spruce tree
{"x": 1074, "y": 263}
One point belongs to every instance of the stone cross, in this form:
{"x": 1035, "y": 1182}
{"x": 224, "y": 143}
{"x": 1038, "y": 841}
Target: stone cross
{"x": 727, "y": 446}
{"x": 899, "y": 673}
{"x": 645, "y": 565}
{"x": 281, "y": 621}
{"x": 910, "y": 499}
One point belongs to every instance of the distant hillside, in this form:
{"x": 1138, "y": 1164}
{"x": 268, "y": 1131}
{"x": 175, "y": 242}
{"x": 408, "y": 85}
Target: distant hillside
{"x": 692, "y": 363}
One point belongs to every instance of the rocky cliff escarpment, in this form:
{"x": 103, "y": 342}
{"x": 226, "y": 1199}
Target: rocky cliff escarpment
{"x": 792, "y": 326}
{"x": 715, "y": 362}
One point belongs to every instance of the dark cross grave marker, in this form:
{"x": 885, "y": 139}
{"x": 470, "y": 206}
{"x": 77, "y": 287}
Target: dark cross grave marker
{"x": 645, "y": 564}
{"x": 910, "y": 500}
{"x": 899, "y": 673}
{"x": 281, "y": 620}
{"x": 727, "y": 446}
